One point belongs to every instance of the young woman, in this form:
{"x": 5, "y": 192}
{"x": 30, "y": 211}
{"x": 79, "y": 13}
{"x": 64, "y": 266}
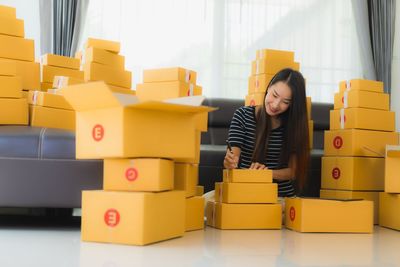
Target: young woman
{"x": 274, "y": 135}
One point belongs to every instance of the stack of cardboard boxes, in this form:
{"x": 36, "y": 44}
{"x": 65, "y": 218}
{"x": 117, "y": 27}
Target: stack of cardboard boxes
{"x": 246, "y": 199}
{"x": 140, "y": 141}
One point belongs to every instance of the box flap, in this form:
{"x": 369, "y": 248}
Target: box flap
{"x": 156, "y": 105}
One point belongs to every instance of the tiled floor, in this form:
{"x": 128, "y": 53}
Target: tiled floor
{"x": 47, "y": 244}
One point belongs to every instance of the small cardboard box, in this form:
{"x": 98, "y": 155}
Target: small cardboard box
{"x": 194, "y": 213}
{"x": 261, "y": 66}
{"x": 29, "y": 73}
{"x": 118, "y": 126}
{"x": 104, "y": 57}
{"x": 247, "y": 176}
{"x": 108, "y": 45}
{"x": 48, "y": 100}
{"x": 392, "y": 169}
{"x": 259, "y": 83}
{"x": 361, "y": 85}
{"x": 255, "y": 99}
{"x": 199, "y": 190}
{"x": 52, "y": 118}
{"x": 246, "y": 192}
{"x": 8, "y": 12}
{"x": 8, "y": 68}
{"x": 64, "y": 81}
{"x": 60, "y": 61}
{"x": 275, "y": 55}
{"x": 389, "y": 215}
{"x": 99, "y": 72}
{"x": 49, "y": 72}
{"x": 14, "y": 111}
{"x": 353, "y": 142}
{"x": 329, "y": 216}
{"x": 353, "y": 173}
{"x": 345, "y": 194}
{"x": 17, "y": 48}
{"x": 13, "y": 27}
{"x": 186, "y": 178}
{"x": 244, "y": 216}
{"x": 10, "y": 87}
{"x": 159, "y": 91}
{"x": 140, "y": 174}
{"x": 361, "y": 99}
{"x": 133, "y": 218}
{"x": 169, "y": 74}
{"x": 362, "y": 118}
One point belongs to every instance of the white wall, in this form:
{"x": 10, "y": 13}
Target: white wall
{"x": 395, "y": 98}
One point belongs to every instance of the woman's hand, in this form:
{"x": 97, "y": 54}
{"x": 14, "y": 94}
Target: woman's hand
{"x": 258, "y": 166}
{"x": 231, "y": 160}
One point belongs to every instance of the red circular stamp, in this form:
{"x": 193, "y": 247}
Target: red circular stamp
{"x": 112, "y": 217}
{"x": 337, "y": 142}
{"x": 292, "y": 213}
{"x": 131, "y": 174}
{"x": 336, "y": 173}
{"x": 98, "y": 132}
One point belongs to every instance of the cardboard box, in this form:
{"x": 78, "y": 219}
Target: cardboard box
{"x": 353, "y": 173}
{"x": 17, "y": 48}
{"x": 8, "y": 68}
{"x": 121, "y": 90}
{"x": 260, "y": 66}
{"x": 52, "y": 118}
{"x": 255, "y": 99}
{"x": 14, "y": 111}
{"x": 361, "y": 99}
{"x": 345, "y": 194}
{"x": 392, "y": 169}
{"x": 60, "y": 61}
{"x": 196, "y": 158}
{"x": 199, "y": 190}
{"x": 247, "y": 176}
{"x": 246, "y": 192}
{"x": 244, "y": 216}
{"x": 194, "y": 213}
{"x": 362, "y": 118}
{"x": 164, "y": 90}
{"x": 133, "y": 218}
{"x": 29, "y": 73}
{"x": 13, "y": 27}
{"x": 110, "y": 126}
{"x": 259, "y": 83}
{"x": 353, "y": 142}
{"x": 275, "y": 55}
{"x": 49, "y": 72}
{"x": 10, "y": 86}
{"x": 329, "y": 216}
{"x": 98, "y": 72}
{"x": 169, "y": 74}
{"x": 103, "y": 57}
{"x": 64, "y": 81}
{"x": 108, "y": 45}
{"x": 8, "y": 12}
{"x": 389, "y": 215}
{"x": 361, "y": 85}
{"x": 140, "y": 174}
{"x": 48, "y": 100}
{"x": 186, "y": 178}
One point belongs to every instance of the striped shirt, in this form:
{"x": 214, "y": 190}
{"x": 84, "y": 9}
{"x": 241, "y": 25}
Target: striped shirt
{"x": 242, "y": 135}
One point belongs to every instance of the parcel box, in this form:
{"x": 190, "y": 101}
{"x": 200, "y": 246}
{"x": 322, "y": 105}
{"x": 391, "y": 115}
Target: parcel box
{"x": 52, "y": 118}
{"x": 119, "y": 126}
{"x": 103, "y": 44}
{"x": 260, "y": 66}
{"x": 48, "y": 100}
{"x": 361, "y": 85}
{"x": 169, "y": 74}
{"x": 259, "y": 83}
{"x": 392, "y": 169}
{"x": 186, "y": 178}
{"x": 13, "y": 27}
{"x": 60, "y": 61}
{"x": 17, "y": 48}
{"x": 134, "y": 218}
{"x": 362, "y": 118}
{"x": 99, "y": 72}
{"x": 8, "y": 68}
{"x": 140, "y": 174}
{"x": 353, "y": 173}
{"x": 8, "y": 12}
{"x": 244, "y": 216}
{"x": 29, "y": 73}
{"x": 64, "y": 81}
{"x": 104, "y": 57}
{"x": 389, "y": 215}
{"x": 255, "y": 99}
{"x": 345, "y": 194}
{"x": 14, "y": 111}
{"x": 361, "y": 99}
{"x": 194, "y": 213}
{"x": 246, "y": 192}
{"x": 10, "y": 86}
{"x": 353, "y": 142}
{"x": 329, "y": 216}
{"x": 275, "y": 55}
{"x": 49, "y": 72}
{"x": 164, "y": 90}
{"x": 247, "y": 176}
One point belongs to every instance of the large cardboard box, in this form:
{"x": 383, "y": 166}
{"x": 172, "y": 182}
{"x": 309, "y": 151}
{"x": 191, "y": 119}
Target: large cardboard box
{"x": 49, "y": 72}
{"x": 255, "y": 99}
{"x": 118, "y": 126}
{"x": 361, "y": 99}
{"x": 60, "y": 61}
{"x": 108, "y": 45}
{"x": 361, "y": 85}
{"x": 29, "y": 73}
{"x": 392, "y": 169}
{"x": 275, "y": 55}
{"x": 244, "y": 216}
{"x": 104, "y": 57}
{"x": 329, "y": 216}
{"x": 247, "y": 176}
{"x": 10, "y": 86}
{"x": 362, "y": 118}
{"x": 169, "y": 74}
{"x": 52, "y": 118}
{"x": 346, "y": 194}
{"x": 353, "y": 173}
{"x": 259, "y": 83}
{"x": 48, "y": 100}
{"x": 8, "y": 68}
{"x": 389, "y": 215}
{"x": 14, "y": 111}
{"x": 140, "y": 174}
{"x": 133, "y": 218}
{"x": 164, "y": 90}
{"x": 194, "y": 213}
{"x": 260, "y": 66}
{"x": 13, "y": 27}
{"x": 8, "y": 12}
{"x": 98, "y": 72}
{"x": 186, "y": 178}
{"x": 17, "y": 48}
{"x": 246, "y": 192}
{"x": 353, "y": 142}
{"x": 64, "y": 81}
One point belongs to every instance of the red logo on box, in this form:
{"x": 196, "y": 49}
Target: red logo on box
{"x": 111, "y": 217}
{"x": 131, "y": 174}
{"x": 336, "y": 173}
{"x": 337, "y": 142}
{"x": 292, "y": 213}
{"x": 344, "y": 118}
{"x": 98, "y": 132}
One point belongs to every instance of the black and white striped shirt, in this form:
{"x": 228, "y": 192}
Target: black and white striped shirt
{"x": 242, "y": 135}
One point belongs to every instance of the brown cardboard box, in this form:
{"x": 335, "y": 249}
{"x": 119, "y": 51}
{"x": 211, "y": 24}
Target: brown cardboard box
{"x": 246, "y": 192}
{"x": 104, "y": 57}
{"x": 49, "y": 72}
{"x": 64, "y": 81}
{"x": 108, "y": 45}
{"x": 260, "y": 66}
{"x": 29, "y": 73}
{"x": 389, "y": 215}
{"x": 98, "y": 72}
{"x": 60, "y": 61}
{"x": 275, "y": 55}
{"x": 159, "y": 91}
{"x": 48, "y": 100}
{"x": 362, "y": 85}
{"x": 259, "y": 83}
{"x": 52, "y": 118}
{"x": 10, "y": 87}
{"x": 14, "y": 111}
{"x": 13, "y": 27}
{"x": 17, "y": 48}
{"x": 194, "y": 213}
{"x": 8, "y": 12}
{"x": 186, "y": 178}
{"x": 247, "y": 176}
{"x": 361, "y": 99}
{"x": 169, "y": 75}
{"x": 8, "y": 68}
{"x": 392, "y": 169}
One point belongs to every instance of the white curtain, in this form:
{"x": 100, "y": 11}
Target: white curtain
{"x": 218, "y": 39}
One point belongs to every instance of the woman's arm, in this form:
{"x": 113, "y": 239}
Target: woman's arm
{"x": 231, "y": 159}
{"x": 288, "y": 173}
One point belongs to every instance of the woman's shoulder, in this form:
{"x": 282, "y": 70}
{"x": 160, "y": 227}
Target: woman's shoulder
{"x": 246, "y": 110}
